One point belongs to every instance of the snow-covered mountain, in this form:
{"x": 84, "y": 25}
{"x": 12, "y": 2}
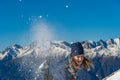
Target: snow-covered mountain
{"x": 35, "y": 62}
{"x": 10, "y": 52}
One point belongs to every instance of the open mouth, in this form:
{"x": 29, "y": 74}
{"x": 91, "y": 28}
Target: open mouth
{"x": 79, "y": 61}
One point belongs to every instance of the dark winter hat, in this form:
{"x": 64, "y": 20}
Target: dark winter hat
{"x": 76, "y": 49}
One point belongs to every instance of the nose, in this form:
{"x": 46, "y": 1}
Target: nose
{"x": 80, "y": 58}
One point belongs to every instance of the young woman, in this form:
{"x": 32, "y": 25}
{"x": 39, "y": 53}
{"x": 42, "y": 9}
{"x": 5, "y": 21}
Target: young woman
{"x": 77, "y": 61}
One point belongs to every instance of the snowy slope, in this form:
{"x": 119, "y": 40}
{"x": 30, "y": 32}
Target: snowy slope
{"x": 113, "y": 76}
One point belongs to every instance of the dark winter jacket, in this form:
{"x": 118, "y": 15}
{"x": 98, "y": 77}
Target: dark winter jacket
{"x": 81, "y": 74}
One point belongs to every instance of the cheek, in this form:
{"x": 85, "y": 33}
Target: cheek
{"x": 82, "y": 58}
{"x": 75, "y": 58}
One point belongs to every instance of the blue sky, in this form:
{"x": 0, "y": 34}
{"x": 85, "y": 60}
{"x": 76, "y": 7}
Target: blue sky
{"x": 73, "y": 20}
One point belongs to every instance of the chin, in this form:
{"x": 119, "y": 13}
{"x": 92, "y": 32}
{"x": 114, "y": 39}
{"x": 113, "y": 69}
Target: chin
{"x": 79, "y": 63}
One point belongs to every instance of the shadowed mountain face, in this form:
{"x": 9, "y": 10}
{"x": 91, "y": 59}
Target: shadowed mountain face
{"x": 34, "y": 63}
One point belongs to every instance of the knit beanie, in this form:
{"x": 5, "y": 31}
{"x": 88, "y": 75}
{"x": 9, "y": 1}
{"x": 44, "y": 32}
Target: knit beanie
{"x": 76, "y": 49}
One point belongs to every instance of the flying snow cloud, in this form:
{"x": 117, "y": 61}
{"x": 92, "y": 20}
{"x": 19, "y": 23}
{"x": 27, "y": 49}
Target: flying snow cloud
{"x": 42, "y": 33}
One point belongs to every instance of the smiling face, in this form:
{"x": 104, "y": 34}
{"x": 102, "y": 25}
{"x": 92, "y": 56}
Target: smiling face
{"x": 78, "y": 59}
